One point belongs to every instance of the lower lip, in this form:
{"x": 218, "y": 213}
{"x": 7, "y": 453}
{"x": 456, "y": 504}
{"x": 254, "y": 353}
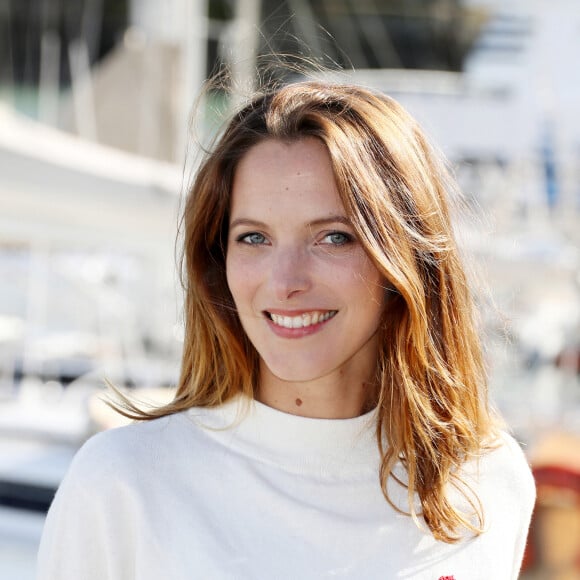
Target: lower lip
{"x": 284, "y": 332}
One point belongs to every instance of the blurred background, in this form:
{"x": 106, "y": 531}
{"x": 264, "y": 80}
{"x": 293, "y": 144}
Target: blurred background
{"x": 97, "y": 144}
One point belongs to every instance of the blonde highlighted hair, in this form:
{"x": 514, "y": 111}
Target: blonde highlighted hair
{"x": 433, "y": 413}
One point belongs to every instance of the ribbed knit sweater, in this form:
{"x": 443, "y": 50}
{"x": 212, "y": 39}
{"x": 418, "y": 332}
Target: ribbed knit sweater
{"x": 243, "y": 491}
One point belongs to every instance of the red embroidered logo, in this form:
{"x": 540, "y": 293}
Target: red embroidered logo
{"x": 446, "y": 577}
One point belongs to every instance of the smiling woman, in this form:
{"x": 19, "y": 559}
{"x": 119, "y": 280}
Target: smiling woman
{"x": 331, "y": 416}
{"x": 309, "y": 298}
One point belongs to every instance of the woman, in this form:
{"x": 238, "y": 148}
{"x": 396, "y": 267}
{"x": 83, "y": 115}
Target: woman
{"x": 331, "y": 416}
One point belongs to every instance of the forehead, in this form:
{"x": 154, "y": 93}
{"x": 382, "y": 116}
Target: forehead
{"x": 294, "y": 176}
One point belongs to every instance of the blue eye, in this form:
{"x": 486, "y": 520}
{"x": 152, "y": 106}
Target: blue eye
{"x": 337, "y": 238}
{"x": 252, "y": 239}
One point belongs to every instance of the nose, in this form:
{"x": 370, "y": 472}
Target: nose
{"x": 290, "y": 273}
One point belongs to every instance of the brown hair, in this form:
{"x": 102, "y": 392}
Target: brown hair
{"x": 432, "y": 408}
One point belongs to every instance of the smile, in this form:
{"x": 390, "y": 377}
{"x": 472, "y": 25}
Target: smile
{"x": 304, "y": 320}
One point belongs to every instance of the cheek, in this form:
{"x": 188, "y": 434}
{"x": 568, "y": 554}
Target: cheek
{"x": 373, "y": 297}
{"x": 233, "y": 279}
{"x": 239, "y": 278}
{"x": 369, "y": 280}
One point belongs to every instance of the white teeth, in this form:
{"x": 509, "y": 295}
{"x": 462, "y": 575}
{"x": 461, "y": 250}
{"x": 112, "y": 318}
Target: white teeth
{"x": 307, "y": 319}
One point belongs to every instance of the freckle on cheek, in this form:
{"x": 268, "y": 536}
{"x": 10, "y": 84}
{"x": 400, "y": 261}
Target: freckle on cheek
{"x": 298, "y": 402}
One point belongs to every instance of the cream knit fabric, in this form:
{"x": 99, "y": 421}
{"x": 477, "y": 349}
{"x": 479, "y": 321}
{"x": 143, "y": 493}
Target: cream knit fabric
{"x": 247, "y": 492}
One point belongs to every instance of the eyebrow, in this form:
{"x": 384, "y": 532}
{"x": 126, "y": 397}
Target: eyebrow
{"x": 318, "y": 222}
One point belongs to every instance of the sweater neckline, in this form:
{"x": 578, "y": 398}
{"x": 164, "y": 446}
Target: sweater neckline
{"x": 293, "y": 442}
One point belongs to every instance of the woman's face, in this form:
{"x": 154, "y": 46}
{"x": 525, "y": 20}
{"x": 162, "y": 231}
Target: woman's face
{"x": 307, "y": 295}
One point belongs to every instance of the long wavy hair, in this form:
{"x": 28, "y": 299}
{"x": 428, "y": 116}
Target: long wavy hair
{"x": 433, "y": 413}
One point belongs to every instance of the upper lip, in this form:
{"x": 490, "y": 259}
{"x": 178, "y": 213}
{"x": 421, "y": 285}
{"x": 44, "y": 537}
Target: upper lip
{"x": 295, "y": 313}
{"x": 281, "y": 312}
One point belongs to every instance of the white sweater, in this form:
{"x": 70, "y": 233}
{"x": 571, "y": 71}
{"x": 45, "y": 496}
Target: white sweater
{"x": 207, "y": 494}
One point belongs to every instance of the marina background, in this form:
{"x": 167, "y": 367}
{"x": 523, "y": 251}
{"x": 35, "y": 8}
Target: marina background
{"x": 100, "y": 130}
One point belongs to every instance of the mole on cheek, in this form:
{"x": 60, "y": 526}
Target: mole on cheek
{"x": 298, "y": 402}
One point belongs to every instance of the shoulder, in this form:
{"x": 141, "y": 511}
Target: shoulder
{"x": 505, "y": 459}
{"x": 122, "y": 442}
{"x": 133, "y": 451}
{"x": 505, "y": 477}
{"x": 115, "y": 479}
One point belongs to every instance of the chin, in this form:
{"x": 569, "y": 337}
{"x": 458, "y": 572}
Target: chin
{"x": 294, "y": 374}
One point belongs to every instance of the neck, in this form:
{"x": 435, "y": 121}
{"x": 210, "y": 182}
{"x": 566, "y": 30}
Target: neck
{"x": 335, "y": 396}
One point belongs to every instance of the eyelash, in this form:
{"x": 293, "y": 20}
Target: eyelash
{"x": 246, "y": 239}
{"x": 346, "y": 238}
